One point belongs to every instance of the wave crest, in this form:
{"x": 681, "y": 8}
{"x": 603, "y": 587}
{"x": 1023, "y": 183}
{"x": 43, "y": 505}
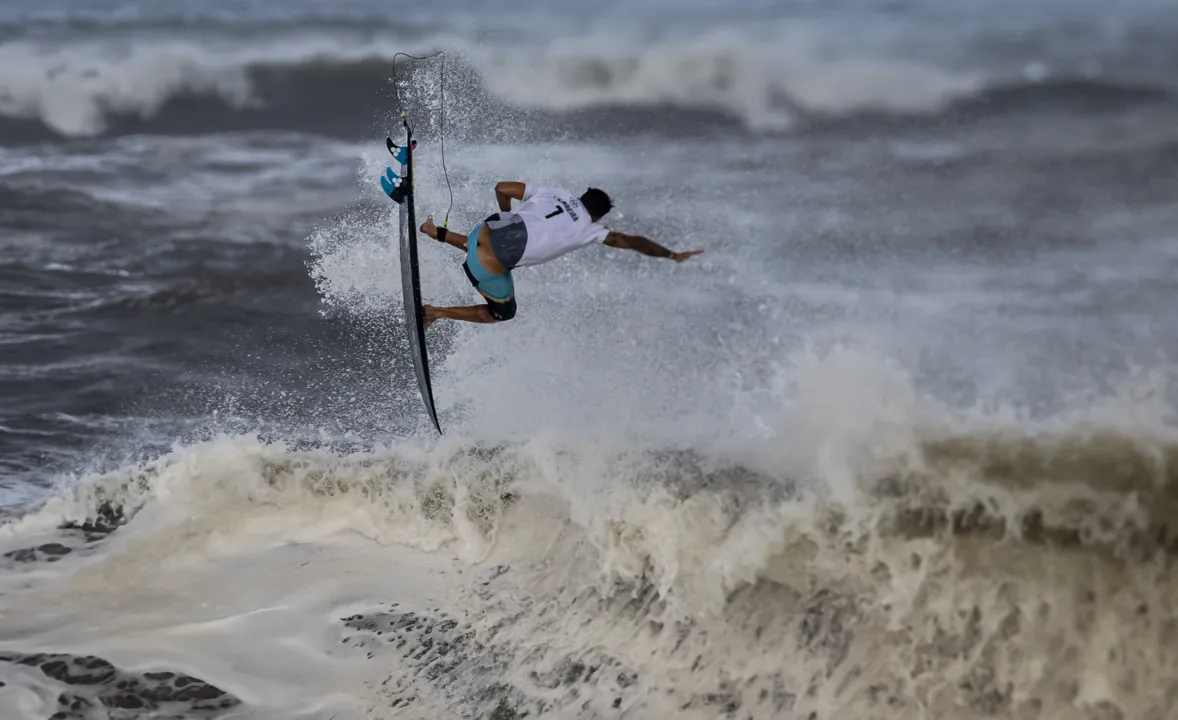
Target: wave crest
{"x": 74, "y": 92}
{"x": 330, "y": 86}
{"x": 767, "y": 87}
{"x": 1104, "y": 490}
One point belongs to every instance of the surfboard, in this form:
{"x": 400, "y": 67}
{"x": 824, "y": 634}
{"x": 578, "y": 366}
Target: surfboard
{"x": 411, "y": 287}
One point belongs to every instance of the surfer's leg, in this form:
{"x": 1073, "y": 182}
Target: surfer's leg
{"x": 498, "y": 289}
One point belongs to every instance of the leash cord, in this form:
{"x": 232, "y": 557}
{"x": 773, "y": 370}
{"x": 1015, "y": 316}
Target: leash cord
{"x": 441, "y": 122}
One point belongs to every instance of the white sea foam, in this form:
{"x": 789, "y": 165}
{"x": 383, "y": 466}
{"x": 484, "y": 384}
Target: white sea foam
{"x": 878, "y": 554}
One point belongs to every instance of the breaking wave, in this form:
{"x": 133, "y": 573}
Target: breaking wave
{"x": 917, "y": 571}
{"x": 328, "y": 86}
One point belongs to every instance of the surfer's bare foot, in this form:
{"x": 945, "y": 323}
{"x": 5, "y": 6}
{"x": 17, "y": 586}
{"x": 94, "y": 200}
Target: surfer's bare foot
{"x": 429, "y": 228}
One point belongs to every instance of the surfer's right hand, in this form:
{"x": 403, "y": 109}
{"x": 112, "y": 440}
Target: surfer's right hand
{"x": 429, "y": 228}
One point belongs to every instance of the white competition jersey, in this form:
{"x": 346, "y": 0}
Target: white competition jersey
{"x": 557, "y": 222}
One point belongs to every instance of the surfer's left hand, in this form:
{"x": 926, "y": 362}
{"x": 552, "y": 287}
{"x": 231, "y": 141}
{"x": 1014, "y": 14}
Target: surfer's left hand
{"x": 681, "y": 256}
{"x": 429, "y": 314}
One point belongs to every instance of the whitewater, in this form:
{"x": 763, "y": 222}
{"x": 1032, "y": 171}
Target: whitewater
{"x": 895, "y": 567}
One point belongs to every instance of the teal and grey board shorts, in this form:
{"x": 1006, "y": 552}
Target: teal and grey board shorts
{"x": 509, "y": 237}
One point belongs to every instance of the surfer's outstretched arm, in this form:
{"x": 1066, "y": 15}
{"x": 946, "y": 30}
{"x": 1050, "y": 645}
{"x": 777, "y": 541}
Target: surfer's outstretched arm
{"x": 505, "y": 190}
{"x": 646, "y": 246}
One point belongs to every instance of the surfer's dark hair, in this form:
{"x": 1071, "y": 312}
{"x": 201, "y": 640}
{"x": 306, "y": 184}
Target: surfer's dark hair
{"x": 596, "y": 202}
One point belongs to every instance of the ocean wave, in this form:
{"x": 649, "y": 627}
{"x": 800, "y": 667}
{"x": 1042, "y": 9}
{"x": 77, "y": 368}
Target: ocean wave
{"x": 1103, "y": 489}
{"x": 962, "y": 575}
{"x": 328, "y": 86}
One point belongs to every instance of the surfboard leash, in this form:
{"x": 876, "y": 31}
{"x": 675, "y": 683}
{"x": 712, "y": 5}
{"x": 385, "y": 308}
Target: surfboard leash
{"x": 442, "y": 121}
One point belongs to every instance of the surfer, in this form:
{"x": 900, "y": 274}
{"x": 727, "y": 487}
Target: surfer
{"x": 547, "y": 223}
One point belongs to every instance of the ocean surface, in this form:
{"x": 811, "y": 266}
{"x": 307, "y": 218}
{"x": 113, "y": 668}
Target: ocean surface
{"x": 900, "y": 444}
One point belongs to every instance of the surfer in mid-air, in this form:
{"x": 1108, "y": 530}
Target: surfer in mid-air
{"x": 547, "y": 223}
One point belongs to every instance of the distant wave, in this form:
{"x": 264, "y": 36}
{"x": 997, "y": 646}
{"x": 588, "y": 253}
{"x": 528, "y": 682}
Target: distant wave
{"x": 323, "y": 86}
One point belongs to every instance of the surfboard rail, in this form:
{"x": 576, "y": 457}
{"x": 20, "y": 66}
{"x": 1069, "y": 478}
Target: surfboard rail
{"x": 411, "y": 286}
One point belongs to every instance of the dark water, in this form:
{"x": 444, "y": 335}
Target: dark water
{"x": 121, "y": 318}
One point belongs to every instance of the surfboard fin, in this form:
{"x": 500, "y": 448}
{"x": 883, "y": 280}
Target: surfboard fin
{"x": 393, "y": 186}
{"x": 400, "y": 153}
